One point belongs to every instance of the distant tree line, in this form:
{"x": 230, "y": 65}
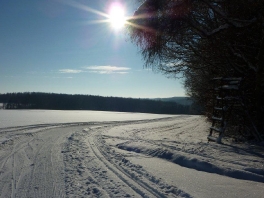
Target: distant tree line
{"x": 33, "y": 100}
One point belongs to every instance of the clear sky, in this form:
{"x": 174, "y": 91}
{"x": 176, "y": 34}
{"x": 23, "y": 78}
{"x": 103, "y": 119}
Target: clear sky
{"x": 61, "y": 46}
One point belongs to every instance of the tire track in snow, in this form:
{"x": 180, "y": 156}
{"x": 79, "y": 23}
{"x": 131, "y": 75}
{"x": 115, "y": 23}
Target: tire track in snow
{"x": 88, "y": 158}
{"x": 154, "y": 185}
{"x": 139, "y": 187}
{"x": 31, "y": 165}
{"x": 85, "y": 169}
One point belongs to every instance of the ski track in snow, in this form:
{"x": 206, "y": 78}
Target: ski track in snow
{"x": 104, "y": 172}
{"x": 98, "y": 159}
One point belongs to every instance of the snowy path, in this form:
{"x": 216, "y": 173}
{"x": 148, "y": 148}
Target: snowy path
{"x": 32, "y": 164}
{"x": 125, "y": 159}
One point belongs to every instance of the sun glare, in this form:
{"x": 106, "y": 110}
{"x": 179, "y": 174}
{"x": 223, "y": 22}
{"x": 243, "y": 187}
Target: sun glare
{"x": 117, "y": 16}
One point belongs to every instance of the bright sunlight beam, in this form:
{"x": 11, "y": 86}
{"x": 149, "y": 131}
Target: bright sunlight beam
{"x": 117, "y": 16}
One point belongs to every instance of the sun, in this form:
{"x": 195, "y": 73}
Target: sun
{"x": 117, "y": 17}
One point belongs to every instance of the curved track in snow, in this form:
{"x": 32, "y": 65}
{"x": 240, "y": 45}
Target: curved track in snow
{"x": 70, "y": 160}
{"x": 103, "y": 172}
{"x": 121, "y": 159}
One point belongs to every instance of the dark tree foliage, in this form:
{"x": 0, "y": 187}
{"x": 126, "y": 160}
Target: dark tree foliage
{"x": 89, "y": 102}
{"x": 204, "y": 39}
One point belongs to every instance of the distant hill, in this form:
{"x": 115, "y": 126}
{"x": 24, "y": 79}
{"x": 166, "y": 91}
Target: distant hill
{"x": 194, "y": 108}
{"x": 180, "y": 100}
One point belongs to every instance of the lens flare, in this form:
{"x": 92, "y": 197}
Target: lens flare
{"x": 115, "y": 15}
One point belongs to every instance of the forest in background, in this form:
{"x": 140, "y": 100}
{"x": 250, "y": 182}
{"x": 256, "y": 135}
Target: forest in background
{"x": 53, "y": 101}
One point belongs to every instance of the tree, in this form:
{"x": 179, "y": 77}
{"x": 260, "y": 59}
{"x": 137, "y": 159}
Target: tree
{"x": 203, "y": 39}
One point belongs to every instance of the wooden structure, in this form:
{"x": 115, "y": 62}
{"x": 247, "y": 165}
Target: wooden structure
{"x": 227, "y": 96}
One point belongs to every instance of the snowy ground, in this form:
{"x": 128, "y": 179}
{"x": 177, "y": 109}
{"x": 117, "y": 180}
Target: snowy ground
{"x": 110, "y": 154}
{"x": 10, "y": 118}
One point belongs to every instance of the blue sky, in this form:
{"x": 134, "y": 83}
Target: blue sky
{"x": 57, "y": 46}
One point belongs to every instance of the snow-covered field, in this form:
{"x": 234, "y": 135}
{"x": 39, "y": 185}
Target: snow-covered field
{"x": 110, "y": 154}
{"x": 9, "y": 118}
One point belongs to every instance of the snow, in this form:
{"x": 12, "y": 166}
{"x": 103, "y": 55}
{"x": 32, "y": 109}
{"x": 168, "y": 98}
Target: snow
{"x": 111, "y": 154}
{"x": 9, "y": 118}
{"x": 197, "y": 183}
